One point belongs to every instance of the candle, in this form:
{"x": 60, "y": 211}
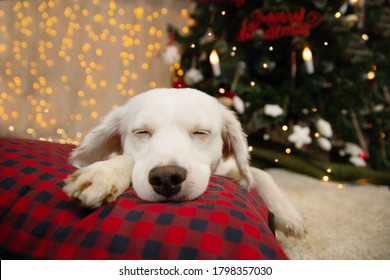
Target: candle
{"x": 214, "y": 60}
{"x": 308, "y": 58}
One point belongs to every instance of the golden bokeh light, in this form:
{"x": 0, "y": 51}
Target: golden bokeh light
{"x": 63, "y": 60}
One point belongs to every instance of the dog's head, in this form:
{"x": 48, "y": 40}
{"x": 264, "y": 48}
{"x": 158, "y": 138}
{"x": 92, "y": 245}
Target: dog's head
{"x": 177, "y": 138}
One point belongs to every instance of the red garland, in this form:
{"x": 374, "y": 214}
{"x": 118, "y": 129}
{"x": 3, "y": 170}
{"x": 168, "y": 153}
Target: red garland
{"x": 279, "y": 24}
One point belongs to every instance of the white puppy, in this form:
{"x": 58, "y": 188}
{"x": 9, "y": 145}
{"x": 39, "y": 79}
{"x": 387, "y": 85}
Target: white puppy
{"x": 168, "y": 142}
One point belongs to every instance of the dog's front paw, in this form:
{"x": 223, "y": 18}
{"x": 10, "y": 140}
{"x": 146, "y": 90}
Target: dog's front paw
{"x": 98, "y": 183}
{"x": 289, "y": 221}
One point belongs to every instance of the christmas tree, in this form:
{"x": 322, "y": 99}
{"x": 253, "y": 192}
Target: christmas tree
{"x": 308, "y": 79}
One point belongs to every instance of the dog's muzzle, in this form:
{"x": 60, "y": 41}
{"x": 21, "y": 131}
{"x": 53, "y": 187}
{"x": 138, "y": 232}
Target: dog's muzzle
{"x": 167, "y": 180}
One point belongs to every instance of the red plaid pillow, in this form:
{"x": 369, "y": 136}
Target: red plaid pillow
{"x": 37, "y": 220}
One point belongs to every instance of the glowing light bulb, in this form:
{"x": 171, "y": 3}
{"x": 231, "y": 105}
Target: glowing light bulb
{"x": 371, "y": 75}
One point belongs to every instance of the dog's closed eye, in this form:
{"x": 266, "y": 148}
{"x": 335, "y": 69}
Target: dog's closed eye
{"x": 142, "y": 133}
{"x": 201, "y": 134}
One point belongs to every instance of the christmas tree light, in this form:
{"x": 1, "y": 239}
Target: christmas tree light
{"x": 308, "y": 58}
{"x": 214, "y": 60}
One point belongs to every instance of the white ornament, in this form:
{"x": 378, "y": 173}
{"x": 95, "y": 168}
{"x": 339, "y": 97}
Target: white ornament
{"x": 171, "y": 55}
{"x": 273, "y": 110}
{"x": 357, "y": 161}
{"x": 324, "y": 128}
{"x": 324, "y": 143}
{"x": 300, "y": 136}
{"x": 238, "y": 104}
{"x": 193, "y": 76}
{"x": 353, "y": 149}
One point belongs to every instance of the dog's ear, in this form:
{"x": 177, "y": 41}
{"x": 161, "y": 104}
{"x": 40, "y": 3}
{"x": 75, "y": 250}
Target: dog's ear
{"x": 235, "y": 144}
{"x": 101, "y": 141}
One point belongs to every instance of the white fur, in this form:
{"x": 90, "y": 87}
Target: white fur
{"x": 180, "y": 127}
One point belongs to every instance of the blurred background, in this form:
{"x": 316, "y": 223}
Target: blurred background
{"x": 65, "y": 64}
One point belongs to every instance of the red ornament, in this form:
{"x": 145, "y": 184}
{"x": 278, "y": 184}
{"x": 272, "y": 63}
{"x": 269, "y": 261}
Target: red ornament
{"x": 363, "y": 156}
{"x": 179, "y": 83}
{"x": 229, "y": 94}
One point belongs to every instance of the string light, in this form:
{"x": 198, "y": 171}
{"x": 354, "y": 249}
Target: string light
{"x": 371, "y": 75}
{"x": 64, "y": 66}
{"x": 325, "y": 178}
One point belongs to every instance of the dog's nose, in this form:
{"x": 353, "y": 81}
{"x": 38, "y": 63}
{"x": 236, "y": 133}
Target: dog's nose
{"x": 166, "y": 180}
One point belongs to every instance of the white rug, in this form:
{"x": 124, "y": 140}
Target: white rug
{"x": 342, "y": 224}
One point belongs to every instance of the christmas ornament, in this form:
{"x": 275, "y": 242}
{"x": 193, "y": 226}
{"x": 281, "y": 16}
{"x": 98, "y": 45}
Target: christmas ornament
{"x": 171, "y": 54}
{"x": 179, "y": 83}
{"x": 324, "y": 128}
{"x": 357, "y": 161}
{"x": 324, "y": 143}
{"x": 356, "y": 153}
{"x": 238, "y": 104}
{"x": 300, "y": 136}
{"x": 226, "y": 99}
{"x": 230, "y": 99}
{"x": 193, "y": 76}
{"x": 273, "y": 110}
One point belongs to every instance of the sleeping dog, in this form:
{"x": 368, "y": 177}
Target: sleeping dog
{"x": 166, "y": 144}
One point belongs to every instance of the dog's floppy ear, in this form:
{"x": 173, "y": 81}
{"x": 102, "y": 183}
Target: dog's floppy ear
{"x": 235, "y": 144}
{"x": 101, "y": 141}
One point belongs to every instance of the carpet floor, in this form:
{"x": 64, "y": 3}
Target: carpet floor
{"x": 348, "y": 222}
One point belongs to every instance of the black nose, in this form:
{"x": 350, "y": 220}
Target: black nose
{"x": 166, "y": 180}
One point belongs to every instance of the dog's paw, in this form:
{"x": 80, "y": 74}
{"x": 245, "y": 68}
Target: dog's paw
{"x": 290, "y": 222}
{"x": 98, "y": 183}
